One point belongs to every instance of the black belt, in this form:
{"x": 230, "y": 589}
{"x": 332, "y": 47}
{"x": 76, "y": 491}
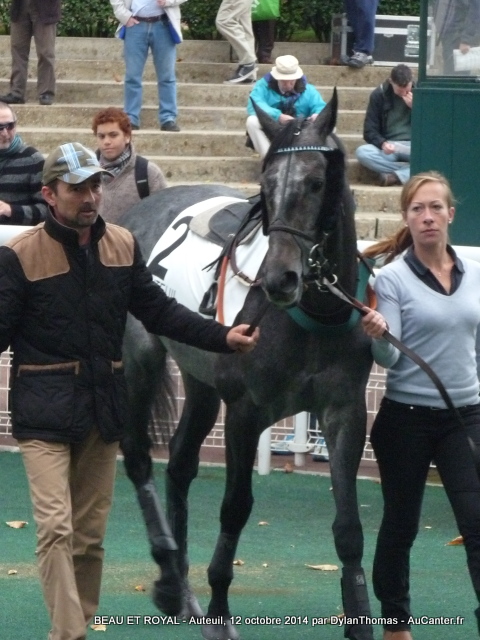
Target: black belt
{"x": 419, "y": 407}
{"x": 163, "y": 17}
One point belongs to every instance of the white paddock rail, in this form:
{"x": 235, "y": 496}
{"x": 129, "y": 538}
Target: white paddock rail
{"x": 303, "y": 441}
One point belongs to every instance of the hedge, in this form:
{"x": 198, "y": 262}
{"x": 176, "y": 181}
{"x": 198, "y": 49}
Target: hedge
{"x": 94, "y": 18}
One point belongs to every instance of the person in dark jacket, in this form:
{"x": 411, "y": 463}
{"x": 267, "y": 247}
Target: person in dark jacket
{"x": 66, "y": 287}
{"x": 387, "y": 128}
{"x": 37, "y": 18}
{"x": 21, "y": 200}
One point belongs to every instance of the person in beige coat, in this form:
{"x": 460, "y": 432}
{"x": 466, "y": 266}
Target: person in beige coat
{"x": 116, "y": 153}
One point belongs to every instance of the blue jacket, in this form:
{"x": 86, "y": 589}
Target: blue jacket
{"x": 306, "y": 104}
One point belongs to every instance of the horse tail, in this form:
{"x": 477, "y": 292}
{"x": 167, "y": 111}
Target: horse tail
{"x": 163, "y": 411}
{"x": 150, "y": 387}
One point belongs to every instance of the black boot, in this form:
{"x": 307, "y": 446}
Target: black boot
{"x": 356, "y": 605}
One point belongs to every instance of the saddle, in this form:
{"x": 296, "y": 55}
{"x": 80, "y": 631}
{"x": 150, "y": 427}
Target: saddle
{"x": 228, "y": 228}
{"x": 239, "y": 219}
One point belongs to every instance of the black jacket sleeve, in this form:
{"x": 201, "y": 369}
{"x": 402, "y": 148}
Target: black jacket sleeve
{"x": 373, "y": 128}
{"x": 164, "y": 316}
{"x": 12, "y": 296}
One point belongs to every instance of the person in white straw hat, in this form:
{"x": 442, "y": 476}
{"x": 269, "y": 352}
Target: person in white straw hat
{"x": 283, "y": 94}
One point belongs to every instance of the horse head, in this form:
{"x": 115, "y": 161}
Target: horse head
{"x": 303, "y": 190}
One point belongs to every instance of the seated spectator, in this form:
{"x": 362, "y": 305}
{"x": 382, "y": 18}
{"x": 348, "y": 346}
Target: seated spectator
{"x": 117, "y": 155}
{"x": 284, "y": 94}
{"x": 387, "y": 128}
{"x": 21, "y": 200}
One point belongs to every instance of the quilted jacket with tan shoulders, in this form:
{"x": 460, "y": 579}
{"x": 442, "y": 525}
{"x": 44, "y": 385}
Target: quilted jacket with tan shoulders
{"x": 63, "y": 311}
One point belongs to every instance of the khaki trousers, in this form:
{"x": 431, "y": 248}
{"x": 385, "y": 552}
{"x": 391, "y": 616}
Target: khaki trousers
{"x": 21, "y": 33}
{"x": 234, "y": 22}
{"x": 71, "y": 487}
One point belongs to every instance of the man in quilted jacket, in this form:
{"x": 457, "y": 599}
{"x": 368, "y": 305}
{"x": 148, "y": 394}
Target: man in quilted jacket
{"x": 66, "y": 287}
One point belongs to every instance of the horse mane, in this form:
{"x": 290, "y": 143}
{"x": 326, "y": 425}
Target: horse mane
{"x": 333, "y": 194}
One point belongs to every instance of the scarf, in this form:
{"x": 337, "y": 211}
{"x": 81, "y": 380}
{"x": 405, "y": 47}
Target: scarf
{"x": 117, "y": 166}
{"x": 13, "y": 148}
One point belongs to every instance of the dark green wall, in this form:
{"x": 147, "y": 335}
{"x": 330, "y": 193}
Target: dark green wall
{"x": 446, "y": 137}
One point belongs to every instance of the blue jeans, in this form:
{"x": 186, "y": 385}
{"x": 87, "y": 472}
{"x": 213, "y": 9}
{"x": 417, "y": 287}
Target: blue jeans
{"x": 373, "y": 158}
{"x": 361, "y": 17}
{"x": 405, "y": 440}
{"x": 138, "y": 40}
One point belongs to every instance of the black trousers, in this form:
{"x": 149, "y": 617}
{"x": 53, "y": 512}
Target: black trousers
{"x": 405, "y": 440}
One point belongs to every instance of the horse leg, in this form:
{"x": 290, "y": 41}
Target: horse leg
{"x": 200, "y": 411}
{"x": 146, "y": 368}
{"x": 241, "y": 440}
{"x": 345, "y": 448}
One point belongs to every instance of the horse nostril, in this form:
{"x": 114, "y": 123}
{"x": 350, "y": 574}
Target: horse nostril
{"x": 283, "y": 287}
{"x": 288, "y": 282}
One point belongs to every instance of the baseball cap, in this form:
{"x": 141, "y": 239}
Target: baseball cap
{"x": 72, "y": 163}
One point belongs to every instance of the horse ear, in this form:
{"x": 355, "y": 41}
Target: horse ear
{"x": 326, "y": 121}
{"x": 270, "y": 126}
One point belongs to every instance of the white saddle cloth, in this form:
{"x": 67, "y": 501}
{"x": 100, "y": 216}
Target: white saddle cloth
{"x": 184, "y": 277}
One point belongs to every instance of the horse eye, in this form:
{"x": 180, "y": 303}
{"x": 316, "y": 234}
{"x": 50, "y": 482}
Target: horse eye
{"x": 316, "y": 185}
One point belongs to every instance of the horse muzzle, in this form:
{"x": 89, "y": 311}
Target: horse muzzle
{"x": 283, "y": 290}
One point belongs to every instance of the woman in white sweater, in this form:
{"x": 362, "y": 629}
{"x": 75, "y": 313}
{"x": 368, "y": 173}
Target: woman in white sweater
{"x": 430, "y": 300}
{"x": 116, "y": 153}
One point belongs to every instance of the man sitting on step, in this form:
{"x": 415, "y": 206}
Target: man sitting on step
{"x": 388, "y": 127}
{"x": 21, "y": 200}
{"x": 283, "y": 94}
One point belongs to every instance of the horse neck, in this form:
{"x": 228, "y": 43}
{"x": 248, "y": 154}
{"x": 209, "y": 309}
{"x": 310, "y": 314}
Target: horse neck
{"x": 341, "y": 253}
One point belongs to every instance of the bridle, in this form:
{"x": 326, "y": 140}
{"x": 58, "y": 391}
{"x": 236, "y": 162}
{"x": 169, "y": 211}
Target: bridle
{"x": 317, "y": 263}
{"x": 319, "y": 266}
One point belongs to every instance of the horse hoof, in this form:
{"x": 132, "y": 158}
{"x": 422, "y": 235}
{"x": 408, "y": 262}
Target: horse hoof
{"x": 191, "y": 607}
{"x": 225, "y": 631}
{"x": 359, "y": 632}
{"x": 169, "y": 601}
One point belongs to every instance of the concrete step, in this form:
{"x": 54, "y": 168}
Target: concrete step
{"x": 210, "y": 148}
{"x": 193, "y": 50}
{"x": 202, "y": 155}
{"x": 369, "y": 197}
{"x": 375, "y": 226}
{"x": 370, "y": 225}
{"x": 148, "y": 141}
{"x": 207, "y": 169}
{"x": 211, "y": 118}
{"x": 151, "y": 141}
{"x": 378, "y": 200}
{"x": 189, "y": 94}
{"x": 203, "y": 72}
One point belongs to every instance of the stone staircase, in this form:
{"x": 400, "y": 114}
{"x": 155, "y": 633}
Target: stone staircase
{"x": 211, "y": 146}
